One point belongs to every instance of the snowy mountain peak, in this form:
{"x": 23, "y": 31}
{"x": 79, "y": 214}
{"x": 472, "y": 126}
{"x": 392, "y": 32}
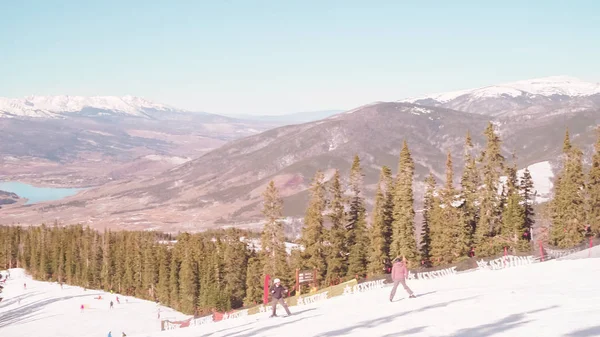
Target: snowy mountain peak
{"x": 55, "y": 106}
{"x": 546, "y": 86}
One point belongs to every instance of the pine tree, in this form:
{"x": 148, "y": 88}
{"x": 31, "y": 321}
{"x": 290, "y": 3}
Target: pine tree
{"x": 490, "y": 214}
{"x": 188, "y": 279}
{"x": 526, "y": 187}
{"x": 356, "y": 226}
{"x": 254, "y": 280}
{"x": 380, "y": 233}
{"x": 164, "y": 263}
{"x": 403, "y": 236}
{"x": 150, "y": 268}
{"x": 593, "y": 190}
{"x": 336, "y": 236}
{"x": 513, "y": 217}
{"x": 312, "y": 232}
{"x": 273, "y": 239}
{"x": 568, "y": 205}
{"x": 469, "y": 185}
{"x": 429, "y": 203}
{"x": 106, "y": 261}
{"x": 455, "y": 231}
{"x": 235, "y": 258}
{"x": 174, "y": 279}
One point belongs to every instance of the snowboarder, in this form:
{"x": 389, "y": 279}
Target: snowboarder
{"x": 277, "y": 293}
{"x": 399, "y": 274}
{"x": 118, "y": 300}
{"x": 111, "y": 304}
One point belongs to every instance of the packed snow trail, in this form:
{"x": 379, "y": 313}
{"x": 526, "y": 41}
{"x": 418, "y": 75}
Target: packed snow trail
{"x": 45, "y": 310}
{"x": 555, "y": 298}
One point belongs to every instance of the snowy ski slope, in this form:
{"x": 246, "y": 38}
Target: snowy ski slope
{"x": 555, "y": 298}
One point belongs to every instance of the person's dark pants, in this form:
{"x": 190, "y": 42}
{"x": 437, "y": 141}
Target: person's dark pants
{"x": 282, "y": 302}
{"x": 396, "y": 283}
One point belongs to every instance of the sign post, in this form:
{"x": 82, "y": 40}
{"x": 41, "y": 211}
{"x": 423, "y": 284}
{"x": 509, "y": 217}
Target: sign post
{"x": 303, "y": 277}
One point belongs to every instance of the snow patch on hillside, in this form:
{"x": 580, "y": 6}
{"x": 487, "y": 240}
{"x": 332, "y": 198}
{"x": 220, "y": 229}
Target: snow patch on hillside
{"x": 168, "y": 159}
{"x": 542, "y": 176}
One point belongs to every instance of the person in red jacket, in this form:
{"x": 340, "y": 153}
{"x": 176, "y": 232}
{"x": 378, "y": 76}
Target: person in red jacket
{"x": 399, "y": 274}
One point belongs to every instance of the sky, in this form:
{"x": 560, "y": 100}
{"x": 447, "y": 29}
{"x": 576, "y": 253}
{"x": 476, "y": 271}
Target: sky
{"x": 276, "y": 57}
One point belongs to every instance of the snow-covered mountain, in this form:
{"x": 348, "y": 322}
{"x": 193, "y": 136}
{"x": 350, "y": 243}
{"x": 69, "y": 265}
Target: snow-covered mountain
{"x": 59, "y": 106}
{"x": 541, "y": 95}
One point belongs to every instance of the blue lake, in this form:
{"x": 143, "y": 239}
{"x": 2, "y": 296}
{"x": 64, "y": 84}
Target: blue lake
{"x": 37, "y": 194}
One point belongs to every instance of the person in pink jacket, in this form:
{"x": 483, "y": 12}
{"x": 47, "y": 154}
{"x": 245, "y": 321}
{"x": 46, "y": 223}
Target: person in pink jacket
{"x": 399, "y": 275}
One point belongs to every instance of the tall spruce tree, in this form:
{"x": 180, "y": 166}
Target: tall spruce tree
{"x": 403, "y": 232}
{"x": 490, "y": 214}
{"x": 429, "y": 203}
{"x": 336, "y": 236}
{"x": 380, "y": 233}
{"x": 254, "y": 280}
{"x": 163, "y": 261}
{"x": 188, "y": 279}
{"x": 568, "y": 205}
{"x": 593, "y": 190}
{"x": 273, "y": 238}
{"x": 357, "y": 238}
{"x": 513, "y": 217}
{"x": 235, "y": 258}
{"x": 469, "y": 189}
{"x": 313, "y": 231}
{"x": 528, "y": 193}
{"x": 455, "y": 233}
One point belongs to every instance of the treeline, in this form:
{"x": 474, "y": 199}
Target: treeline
{"x": 491, "y": 210}
{"x": 217, "y": 270}
{"x": 200, "y": 272}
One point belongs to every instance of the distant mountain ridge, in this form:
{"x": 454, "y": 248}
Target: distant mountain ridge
{"x": 223, "y": 187}
{"x": 293, "y": 118}
{"x": 55, "y": 106}
{"x": 554, "y": 94}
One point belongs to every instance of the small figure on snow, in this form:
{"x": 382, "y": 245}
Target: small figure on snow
{"x": 110, "y": 334}
{"x": 118, "y": 300}
{"x": 277, "y": 294}
{"x": 24, "y": 286}
{"x": 123, "y": 334}
{"x": 111, "y": 304}
{"x": 399, "y": 274}
{"x": 82, "y": 307}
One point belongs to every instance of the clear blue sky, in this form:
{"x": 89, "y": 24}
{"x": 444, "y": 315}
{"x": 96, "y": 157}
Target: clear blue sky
{"x": 272, "y": 57}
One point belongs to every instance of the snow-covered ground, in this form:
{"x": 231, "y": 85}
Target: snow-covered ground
{"x": 555, "y": 298}
{"x": 46, "y": 310}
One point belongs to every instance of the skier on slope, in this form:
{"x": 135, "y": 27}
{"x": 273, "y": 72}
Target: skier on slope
{"x": 399, "y": 274}
{"x": 277, "y": 293}
{"x": 111, "y": 304}
{"x": 110, "y": 334}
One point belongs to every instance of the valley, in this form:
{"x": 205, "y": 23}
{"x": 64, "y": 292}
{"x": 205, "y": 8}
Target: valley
{"x": 160, "y": 173}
